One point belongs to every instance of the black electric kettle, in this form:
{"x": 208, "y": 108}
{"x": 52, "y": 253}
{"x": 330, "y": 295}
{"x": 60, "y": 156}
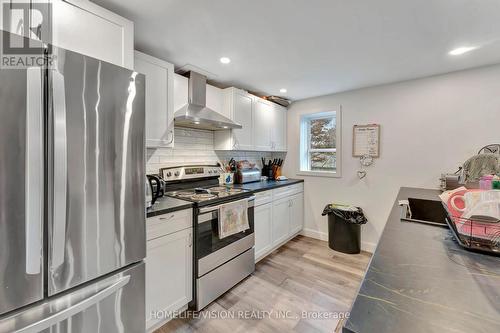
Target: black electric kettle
{"x": 156, "y": 188}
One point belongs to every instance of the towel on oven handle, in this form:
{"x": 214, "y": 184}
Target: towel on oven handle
{"x": 233, "y": 218}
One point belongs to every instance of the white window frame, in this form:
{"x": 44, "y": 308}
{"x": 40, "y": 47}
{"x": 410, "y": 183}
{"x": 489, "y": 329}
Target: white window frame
{"x": 304, "y": 150}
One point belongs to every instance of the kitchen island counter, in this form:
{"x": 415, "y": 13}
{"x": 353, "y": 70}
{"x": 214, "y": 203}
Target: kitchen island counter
{"x": 421, "y": 280}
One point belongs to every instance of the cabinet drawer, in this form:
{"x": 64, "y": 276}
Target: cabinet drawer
{"x": 262, "y": 198}
{"x": 287, "y": 191}
{"x": 165, "y": 224}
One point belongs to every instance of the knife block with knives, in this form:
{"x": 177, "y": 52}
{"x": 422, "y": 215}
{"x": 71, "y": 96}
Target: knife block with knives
{"x": 272, "y": 169}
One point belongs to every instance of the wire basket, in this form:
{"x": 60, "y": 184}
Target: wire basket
{"x": 478, "y": 233}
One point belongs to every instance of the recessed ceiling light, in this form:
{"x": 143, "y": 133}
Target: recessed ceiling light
{"x": 283, "y": 90}
{"x": 196, "y": 122}
{"x": 225, "y": 60}
{"x": 462, "y": 50}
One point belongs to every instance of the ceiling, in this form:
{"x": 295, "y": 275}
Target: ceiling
{"x": 315, "y": 47}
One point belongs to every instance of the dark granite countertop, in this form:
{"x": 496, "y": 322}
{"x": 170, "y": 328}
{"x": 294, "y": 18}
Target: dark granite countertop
{"x": 165, "y": 205}
{"x": 267, "y": 185}
{"x": 421, "y": 280}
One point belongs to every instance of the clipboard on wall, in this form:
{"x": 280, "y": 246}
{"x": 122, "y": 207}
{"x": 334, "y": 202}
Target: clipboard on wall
{"x": 366, "y": 140}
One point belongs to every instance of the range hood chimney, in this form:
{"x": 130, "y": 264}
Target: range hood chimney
{"x": 195, "y": 113}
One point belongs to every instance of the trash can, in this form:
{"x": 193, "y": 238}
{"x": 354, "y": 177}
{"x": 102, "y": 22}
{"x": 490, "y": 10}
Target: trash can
{"x": 344, "y": 227}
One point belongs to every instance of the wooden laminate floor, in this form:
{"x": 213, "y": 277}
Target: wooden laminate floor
{"x": 302, "y": 287}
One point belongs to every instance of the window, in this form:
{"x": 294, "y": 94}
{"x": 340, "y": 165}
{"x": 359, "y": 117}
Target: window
{"x": 320, "y": 144}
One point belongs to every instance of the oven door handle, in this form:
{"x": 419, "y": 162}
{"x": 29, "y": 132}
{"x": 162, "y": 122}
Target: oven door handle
{"x": 209, "y": 209}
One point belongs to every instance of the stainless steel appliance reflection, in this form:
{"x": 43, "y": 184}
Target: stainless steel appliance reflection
{"x": 72, "y": 242}
{"x": 219, "y": 263}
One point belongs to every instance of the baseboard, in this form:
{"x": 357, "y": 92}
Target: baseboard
{"x": 365, "y": 246}
{"x": 314, "y": 234}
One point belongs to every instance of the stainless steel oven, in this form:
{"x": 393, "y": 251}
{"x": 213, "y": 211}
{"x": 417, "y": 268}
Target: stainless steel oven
{"x": 220, "y": 263}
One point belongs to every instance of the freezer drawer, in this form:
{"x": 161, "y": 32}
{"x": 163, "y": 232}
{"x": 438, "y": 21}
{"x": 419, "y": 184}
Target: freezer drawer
{"x": 115, "y": 304}
{"x": 96, "y": 221}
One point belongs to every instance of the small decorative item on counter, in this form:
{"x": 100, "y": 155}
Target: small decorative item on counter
{"x": 226, "y": 178}
{"x": 495, "y": 184}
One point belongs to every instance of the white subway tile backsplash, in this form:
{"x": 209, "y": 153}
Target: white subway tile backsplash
{"x": 197, "y": 147}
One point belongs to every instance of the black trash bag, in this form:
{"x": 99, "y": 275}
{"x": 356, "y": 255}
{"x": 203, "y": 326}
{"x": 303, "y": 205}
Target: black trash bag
{"x": 350, "y": 216}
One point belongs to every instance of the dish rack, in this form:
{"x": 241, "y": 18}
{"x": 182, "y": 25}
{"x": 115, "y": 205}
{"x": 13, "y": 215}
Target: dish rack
{"x": 479, "y": 234}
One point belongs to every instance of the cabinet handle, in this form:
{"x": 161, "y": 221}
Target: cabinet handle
{"x": 167, "y": 218}
{"x": 172, "y": 139}
{"x": 190, "y": 239}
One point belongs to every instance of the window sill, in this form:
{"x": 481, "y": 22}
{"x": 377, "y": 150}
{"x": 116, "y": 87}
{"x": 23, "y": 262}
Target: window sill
{"x": 319, "y": 174}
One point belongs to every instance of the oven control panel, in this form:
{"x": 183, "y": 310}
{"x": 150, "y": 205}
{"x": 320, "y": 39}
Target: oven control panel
{"x": 189, "y": 172}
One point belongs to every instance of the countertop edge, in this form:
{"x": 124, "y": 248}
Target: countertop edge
{"x": 268, "y": 186}
{"x": 169, "y": 210}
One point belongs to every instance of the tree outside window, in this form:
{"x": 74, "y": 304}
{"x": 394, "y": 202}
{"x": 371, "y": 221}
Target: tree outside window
{"x": 319, "y": 138}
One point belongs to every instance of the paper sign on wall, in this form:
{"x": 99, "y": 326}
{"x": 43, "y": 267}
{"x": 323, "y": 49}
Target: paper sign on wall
{"x": 366, "y": 140}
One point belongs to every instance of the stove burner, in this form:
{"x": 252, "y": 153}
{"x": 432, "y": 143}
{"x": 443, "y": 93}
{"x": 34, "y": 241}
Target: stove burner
{"x": 183, "y": 194}
{"x": 224, "y": 190}
{"x": 203, "y": 196}
{"x": 199, "y": 194}
{"x": 218, "y": 189}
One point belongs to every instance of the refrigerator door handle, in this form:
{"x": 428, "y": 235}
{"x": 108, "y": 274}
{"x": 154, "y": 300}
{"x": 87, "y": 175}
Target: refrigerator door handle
{"x": 60, "y": 170}
{"x": 75, "y": 309}
{"x": 34, "y": 171}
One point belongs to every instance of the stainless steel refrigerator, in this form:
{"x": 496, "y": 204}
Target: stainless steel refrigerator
{"x": 72, "y": 201}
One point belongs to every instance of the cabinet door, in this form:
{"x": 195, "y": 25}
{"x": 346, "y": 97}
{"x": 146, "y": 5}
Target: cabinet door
{"x": 296, "y": 213}
{"x": 214, "y": 99}
{"x": 278, "y": 139}
{"x": 263, "y": 218}
{"x": 86, "y": 28}
{"x": 242, "y": 114}
{"x": 281, "y": 220}
{"x": 262, "y": 124}
{"x": 180, "y": 91}
{"x": 169, "y": 274}
{"x": 159, "y": 99}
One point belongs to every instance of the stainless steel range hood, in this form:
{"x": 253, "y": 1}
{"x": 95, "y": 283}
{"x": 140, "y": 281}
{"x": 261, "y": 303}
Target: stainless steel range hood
{"x": 195, "y": 114}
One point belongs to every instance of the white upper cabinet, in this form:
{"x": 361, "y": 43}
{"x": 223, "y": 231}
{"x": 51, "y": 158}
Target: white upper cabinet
{"x": 262, "y": 125}
{"x": 84, "y": 27}
{"x": 159, "y": 99}
{"x": 238, "y": 106}
{"x": 180, "y": 91}
{"x": 278, "y": 130}
{"x": 87, "y": 28}
{"x": 242, "y": 114}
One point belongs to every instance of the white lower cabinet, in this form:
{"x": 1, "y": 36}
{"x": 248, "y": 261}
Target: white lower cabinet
{"x": 281, "y": 220}
{"x": 296, "y": 213}
{"x": 263, "y": 217}
{"x": 169, "y": 268}
{"x": 278, "y": 216}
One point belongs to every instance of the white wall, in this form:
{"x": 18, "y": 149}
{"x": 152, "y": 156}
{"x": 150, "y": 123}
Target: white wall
{"x": 428, "y": 126}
